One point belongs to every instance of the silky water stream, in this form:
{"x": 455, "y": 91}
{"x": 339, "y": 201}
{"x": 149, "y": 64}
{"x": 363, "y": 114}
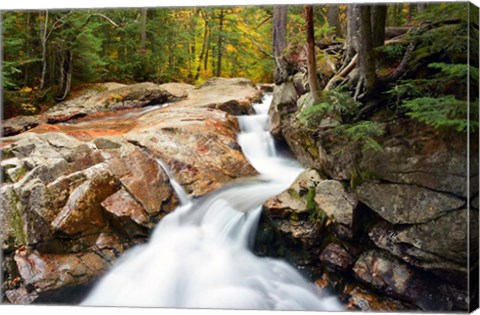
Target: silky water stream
{"x": 199, "y": 256}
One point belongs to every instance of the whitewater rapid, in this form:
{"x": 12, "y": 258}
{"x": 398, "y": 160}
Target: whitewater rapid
{"x": 199, "y": 256}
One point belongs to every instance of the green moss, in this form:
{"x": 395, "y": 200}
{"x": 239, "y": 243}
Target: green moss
{"x": 16, "y": 221}
{"x": 293, "y": 193}
{"x": 7, "y": 154}
{"x": 22, "y": 171}
{"x": 311, "y": 204}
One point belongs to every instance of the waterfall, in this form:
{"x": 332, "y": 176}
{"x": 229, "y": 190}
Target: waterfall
{"x": 199, "y": 256}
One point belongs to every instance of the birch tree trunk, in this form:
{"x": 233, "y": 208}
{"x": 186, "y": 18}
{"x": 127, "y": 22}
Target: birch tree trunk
{"x": 280, "y": 43}
{"x": 43, "y": 42}
{"x": 311, "y": 63}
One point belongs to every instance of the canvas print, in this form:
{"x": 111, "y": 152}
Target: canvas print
{"x": 318, "y": 157}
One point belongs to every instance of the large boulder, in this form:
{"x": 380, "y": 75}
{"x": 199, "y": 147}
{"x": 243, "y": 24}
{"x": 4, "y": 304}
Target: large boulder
{"x": 389, "y": 275}
{"x": 406, "y": 204}
{"x": 232, "y": 95}
{"x": 419, "y": 244}
{"x": 119, "y": 97}
{"x": 419, "y": 155}
{"x": 298, "y": 223}
{"x": 60, "y": 278}
{"x": 284, "y": 101}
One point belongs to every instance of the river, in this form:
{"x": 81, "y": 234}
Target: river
{"x": 200, "y": 256}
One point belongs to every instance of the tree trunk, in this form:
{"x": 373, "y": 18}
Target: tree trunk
{"x": 143, "y": 31}
{"x": 219, "y": 43}
{"x": 204, "y": 47}
{"x": 43, "y": 42}
{"x": 411, "y": 10}
{"x": 365, "y": 52}
{"x": 311, "y": 63}
{"x": 209, "y": 44}
{"x": 27, "y": 49}
{"x": 352, "y": 32}
{"x": 65, "y": 75}
{"x": 421, "y": 7}
{"x": 378, "y": 19}
{"x": 280, "y": 43}
{"x": 394, "y": 15}
{"x": 333, "y": 19}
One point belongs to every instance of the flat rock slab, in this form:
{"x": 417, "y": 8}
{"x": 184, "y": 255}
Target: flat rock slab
{"x": 233, "y": 96}
{"x": 406, "y": 204}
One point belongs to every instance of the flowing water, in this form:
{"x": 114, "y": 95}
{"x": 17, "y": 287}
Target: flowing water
{"x": 200, "y": 255}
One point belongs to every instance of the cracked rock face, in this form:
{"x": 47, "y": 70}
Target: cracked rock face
{"x": 73, "y": 200}
{"x": 406, "y": 204}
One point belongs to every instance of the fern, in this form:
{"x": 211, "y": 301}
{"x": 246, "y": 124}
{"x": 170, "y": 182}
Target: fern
{"x": 334, "y": 103}
{"x": 363, "y": 133}
{"x": 443, "y": 112}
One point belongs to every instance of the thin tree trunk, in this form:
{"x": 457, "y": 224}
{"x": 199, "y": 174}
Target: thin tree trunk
{"x": 411, "y": 9}
{"x": 219, "y": 44}
{"x": 366, "y": 53}
{"x": 280, "y": 43}
{"x": 378, "y": 20}
{"x": 27, "y": 48}
{"x": 43, "y": 42}
{"x": 394, "y": 14}
{"x": 333, "y": 18}
{"x": 311, "y": 64}
{"x": 143, "y": 31}
{"x": 204, "y": 47}
{"x": 209, "y": 45}
{"x": 65, "y": 75}
{"x": 421, "y": 7}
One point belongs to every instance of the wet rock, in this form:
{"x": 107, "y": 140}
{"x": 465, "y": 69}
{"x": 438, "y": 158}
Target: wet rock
{"x": 418, "y": 244}
{"x": 412, "y": 154}
{"x": 283, "y": 102}
{"x": 335, "y": 201}
{"x": 41, "y": 274}
{"x": 363, "y": 300}
{"x": 21, "y": 296}
{"x": 12, "y": 232}
{"x": 406, "y": 204}
{"x": 13, "y": 170}
{"x": 336, "y": 256}
{"x": 178, "y": 90}
{"x": 198, "y": 150}
{"x": 419, "y": 155}
{"x": 233, "y": 95}
{"x": 16, "y": 125}
{"x": 120, "y": 97}
{"x": 266, "y": 87}
{"x": 65, "y": 197}
{"x": 287, "y": 228}
{"x": 294, "y": 199}
{"x": 82, "y": 213}
{"x": 397, "y": 279}
{"x": 121, "y": 204}
{"x": 146, "y": 181}
{"x": 474, "y": 202}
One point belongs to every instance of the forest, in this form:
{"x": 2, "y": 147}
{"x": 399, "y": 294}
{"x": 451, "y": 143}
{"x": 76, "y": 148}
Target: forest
{"x": 285, "y": 157}
{"x": 49, "y": 53}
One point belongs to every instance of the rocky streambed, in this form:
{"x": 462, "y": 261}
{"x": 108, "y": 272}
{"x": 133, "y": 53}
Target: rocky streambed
{"x": 386, "y": 230}
{"x": 381, "y": 230}
{"x": 76, "y": 195}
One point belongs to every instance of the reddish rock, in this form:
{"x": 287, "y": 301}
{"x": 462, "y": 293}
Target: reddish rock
{"x": 121, "y": 204}
{"x": 336, "y": 256}
{"x": 82, "y": 213}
